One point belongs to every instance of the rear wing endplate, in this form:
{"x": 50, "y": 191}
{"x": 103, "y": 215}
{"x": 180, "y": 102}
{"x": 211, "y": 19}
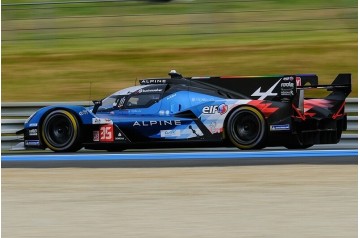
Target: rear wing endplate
{"x": 340, "y": 88}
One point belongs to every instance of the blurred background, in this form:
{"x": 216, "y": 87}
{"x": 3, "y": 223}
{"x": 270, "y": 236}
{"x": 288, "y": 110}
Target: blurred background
{"x": 87, "y": 49}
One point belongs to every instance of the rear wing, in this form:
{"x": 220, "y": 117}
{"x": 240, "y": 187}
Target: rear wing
{"x": 341, "y": 83}
{"x": 285, "y": 88}
{"x": 340, "y": 88}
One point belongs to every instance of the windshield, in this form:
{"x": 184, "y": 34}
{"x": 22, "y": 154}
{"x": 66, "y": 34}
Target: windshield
{"x": 142, "y": 100}
{"x": 146, "y": 96}
{"x": 112, "y": 102}
{"x": 117, "y": 99}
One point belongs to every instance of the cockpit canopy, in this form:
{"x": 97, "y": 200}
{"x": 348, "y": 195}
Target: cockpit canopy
{"x": 133, "y": 97}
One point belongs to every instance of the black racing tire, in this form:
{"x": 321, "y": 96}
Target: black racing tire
{"x": 246, "y": 128}
{"x": 60, "y": 131}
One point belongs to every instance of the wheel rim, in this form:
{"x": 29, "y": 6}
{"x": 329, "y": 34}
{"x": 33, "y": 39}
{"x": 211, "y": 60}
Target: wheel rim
{"x": 247, "y": 128}
{"x": 59, "y": 130}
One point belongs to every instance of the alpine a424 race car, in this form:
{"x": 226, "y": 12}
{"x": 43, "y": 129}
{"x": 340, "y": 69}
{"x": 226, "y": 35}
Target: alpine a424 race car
{"x": 246, "y": 112}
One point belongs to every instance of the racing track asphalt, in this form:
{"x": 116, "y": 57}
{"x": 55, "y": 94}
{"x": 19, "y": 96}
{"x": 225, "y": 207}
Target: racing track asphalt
{"x": 163, "y": 158}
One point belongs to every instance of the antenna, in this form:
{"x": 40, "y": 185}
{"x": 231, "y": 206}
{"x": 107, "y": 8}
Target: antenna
{"x": 135, "y": 80}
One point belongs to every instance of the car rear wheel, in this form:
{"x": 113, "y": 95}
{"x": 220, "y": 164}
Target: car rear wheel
{"x": 246, "y": 128}
{"x": 60, "y": 131}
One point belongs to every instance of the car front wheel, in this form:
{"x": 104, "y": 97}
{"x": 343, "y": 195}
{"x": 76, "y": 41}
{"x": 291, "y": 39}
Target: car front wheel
{"x": 60, "y": 131}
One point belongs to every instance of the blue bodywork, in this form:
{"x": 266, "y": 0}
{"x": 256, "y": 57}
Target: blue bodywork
{"x": 175, "y": 117}
{"x": 196, "y": 109}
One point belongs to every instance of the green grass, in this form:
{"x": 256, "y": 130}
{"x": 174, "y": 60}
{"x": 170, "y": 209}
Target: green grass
{"x": 255, "y": 38}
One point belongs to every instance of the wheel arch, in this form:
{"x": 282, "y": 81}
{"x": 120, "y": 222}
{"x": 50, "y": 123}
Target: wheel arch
{"x": 234, "y": 109}
{"x": 263, "y": 139}
{"x": 72, "y": 111}
{"x": 55, "y": 108}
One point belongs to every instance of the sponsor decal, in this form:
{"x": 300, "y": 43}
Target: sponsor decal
{"x": 288, "y": 78}
{"x": 99, "y": 121}
{"x": 298, "y": 81}
{"x": 171, "y": 96}
{"x": 119, "y": 136}
{"x": 287, "y": 90}
{"x": 284, "y": 127}
{"x": 134, "y": 110}
{"x": 96, "y": 136}
{"x": 33, "y": 125}
{"x": 107, "y": 133}
{"x": 287, "y": 85}
{"x": 269, "y": 92}
{"x": 32, "y": 142}
{"x": 170, "y": 133}
{"x": 202, "y": 99}
{"x": 121, "y": 102}
{"x": 210, "y": 109}
{"x": 153, "y": 81}
{"x": 33, "y": 132}
{"x": 152, "y": 90}
{"x": 222, "y": 109}
{"x": 157, "y": 123}
{"x": 83, "y": 112}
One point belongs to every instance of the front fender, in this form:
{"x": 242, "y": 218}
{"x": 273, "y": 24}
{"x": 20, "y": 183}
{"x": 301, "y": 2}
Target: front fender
{"x": 85, "y": 116}
{"x": 32, "y": 125}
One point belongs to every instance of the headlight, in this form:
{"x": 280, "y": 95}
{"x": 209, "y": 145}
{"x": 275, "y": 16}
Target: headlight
{"x": 32, "y": 115}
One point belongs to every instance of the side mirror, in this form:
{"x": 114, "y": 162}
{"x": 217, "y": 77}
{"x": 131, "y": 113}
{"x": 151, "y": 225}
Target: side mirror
{"x": 97, "y": 104}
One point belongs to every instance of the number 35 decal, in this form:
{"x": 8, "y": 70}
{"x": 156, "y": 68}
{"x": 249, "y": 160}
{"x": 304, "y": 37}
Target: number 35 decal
{"x": 107, "y": 133}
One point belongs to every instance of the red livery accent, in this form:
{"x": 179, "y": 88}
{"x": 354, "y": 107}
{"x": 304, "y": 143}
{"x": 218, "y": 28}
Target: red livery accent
{"x": 309, "y": 104}
{"x": 264, "y": 107}
{"x": 338, "y": 113}
{"x": 301, "y": 116}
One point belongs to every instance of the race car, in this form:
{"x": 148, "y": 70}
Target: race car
{"x": 248, "y": 112}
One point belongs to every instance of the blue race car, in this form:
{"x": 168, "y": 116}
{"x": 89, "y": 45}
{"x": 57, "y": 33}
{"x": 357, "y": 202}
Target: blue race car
{"x": 246, "y": 112}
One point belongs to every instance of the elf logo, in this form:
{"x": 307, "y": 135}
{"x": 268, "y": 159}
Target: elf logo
{"x": 222, "y": 109}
